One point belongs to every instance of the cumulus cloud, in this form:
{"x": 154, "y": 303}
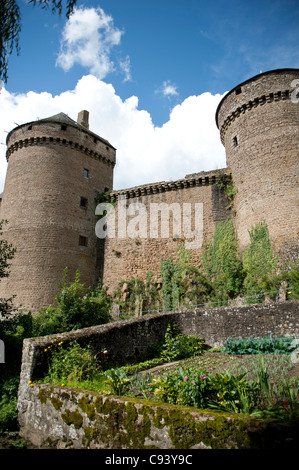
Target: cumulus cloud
{"x": 87, "y": 39}
{"x": 187, "y": 143}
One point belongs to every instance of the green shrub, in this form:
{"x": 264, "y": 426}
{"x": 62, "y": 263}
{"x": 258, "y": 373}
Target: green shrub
{"x": 71, "y": 364}
{"x": 77, "y": 307}
{"x": 8, "y": 414}
{"x": 292, "y": 279}
{"x": 48, "y": 321}
{"x": 13, "y": 330}
{"x": 8, "y": 404}
{"x": 178, "y": 346}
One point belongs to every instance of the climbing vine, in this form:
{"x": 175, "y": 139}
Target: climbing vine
{"x": 221, "y": 275}
{"x": 227, "y": 185}
{"x": 221, "y": 262}
{"x": 259, "y": 263}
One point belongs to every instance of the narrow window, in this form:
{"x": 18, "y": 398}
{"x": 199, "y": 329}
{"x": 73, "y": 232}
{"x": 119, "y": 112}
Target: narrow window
{"x": 83, "y": 202}
{"x": 86, "y": 173}
{"x": 82, "y": 240}
{"x": 238, "y": 91}
{"x": 235, "y": 141}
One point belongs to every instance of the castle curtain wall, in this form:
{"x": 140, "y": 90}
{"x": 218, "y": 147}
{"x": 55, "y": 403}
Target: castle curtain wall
{"x": 134, "y": 256}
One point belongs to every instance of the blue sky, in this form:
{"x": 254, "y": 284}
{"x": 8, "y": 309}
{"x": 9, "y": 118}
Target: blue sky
{"x": 151, "y": 73}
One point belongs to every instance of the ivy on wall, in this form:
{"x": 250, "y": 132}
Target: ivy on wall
{"x": 221, "y": 276}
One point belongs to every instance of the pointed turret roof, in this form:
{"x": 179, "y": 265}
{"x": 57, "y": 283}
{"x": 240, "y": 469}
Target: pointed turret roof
{"x": 62, "y": 118}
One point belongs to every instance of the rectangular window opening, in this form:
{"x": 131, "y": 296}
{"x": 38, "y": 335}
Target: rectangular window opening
{"x": 63, "y": 127}
{"x": 86, "y": 173}
{"x": 238, "y": 91}
{"x": 83, "y": 240}
{"x": 83, "y": 202}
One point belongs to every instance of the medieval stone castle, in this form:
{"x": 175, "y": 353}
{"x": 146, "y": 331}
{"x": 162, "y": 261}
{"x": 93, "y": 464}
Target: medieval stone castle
{"x": 57, "y": 167}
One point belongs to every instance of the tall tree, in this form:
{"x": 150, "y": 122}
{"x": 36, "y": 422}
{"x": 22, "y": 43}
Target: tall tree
{"x": 10, "y": 26}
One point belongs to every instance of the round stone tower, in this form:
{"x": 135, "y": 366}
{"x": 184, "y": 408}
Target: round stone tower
{"x": 259, "y": 127}
{"x": 55, "y": 168}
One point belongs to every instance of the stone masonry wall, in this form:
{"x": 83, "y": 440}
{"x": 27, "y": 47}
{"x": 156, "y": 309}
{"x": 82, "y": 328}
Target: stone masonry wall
{"x": 258, "y": 122}
{"x": 134, "y": 256}
{"x": 74, "y": 418}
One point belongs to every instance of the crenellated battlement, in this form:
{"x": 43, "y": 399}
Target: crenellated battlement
{"x": 46, "y": 140}
{"x": 252, "y": 104}
{"x": 190, "y": 181}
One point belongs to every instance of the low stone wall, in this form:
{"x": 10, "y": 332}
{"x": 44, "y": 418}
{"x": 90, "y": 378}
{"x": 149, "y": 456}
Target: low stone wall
{"x": 65, "y": 418}
{"x": 128, "y": 342}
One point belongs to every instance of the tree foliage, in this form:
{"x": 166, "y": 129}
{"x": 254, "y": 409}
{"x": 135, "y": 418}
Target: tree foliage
{"x": 10, "y": 26}
{"x": 77, "y": 307}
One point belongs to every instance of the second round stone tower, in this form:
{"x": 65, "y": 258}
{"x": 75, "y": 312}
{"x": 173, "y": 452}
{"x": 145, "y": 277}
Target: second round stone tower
{"x": 259, "y": 127}
{"x": 56, "y": 167}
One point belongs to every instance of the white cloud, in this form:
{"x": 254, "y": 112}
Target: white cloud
{"x": 87, "y": 39}
{"x": 188, "y": 142}
{"x": 168, "y": 89}
{"x": 125, "y": 66}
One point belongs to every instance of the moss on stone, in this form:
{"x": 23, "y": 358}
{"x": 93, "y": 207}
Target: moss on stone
{"x": 43, "y": 395}
{"x": 88, "y": 407}
{"x": 72, "y": 417}
{"x": 56, "y": 403}
{"x": 134, "y": 423}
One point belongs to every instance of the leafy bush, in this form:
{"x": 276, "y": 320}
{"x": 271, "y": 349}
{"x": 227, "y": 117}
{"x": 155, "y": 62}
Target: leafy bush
{"x": 71, "y": 364}
{"x": 8, "y": 404}
{"x": 292, "y": 279}
{"x": 13, "y": 330}
{"x": 8, "y": 414}
{"x": 77, "y": 307}
{"x": 178, "y": 346}
{"x": 268, "y": 344}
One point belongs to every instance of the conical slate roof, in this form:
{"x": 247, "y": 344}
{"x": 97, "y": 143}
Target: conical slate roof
{"x": 62, "y": 118}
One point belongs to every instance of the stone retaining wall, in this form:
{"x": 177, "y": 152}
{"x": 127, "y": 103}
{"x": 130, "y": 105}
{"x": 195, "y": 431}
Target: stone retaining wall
{"x": 52, "y": 413}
